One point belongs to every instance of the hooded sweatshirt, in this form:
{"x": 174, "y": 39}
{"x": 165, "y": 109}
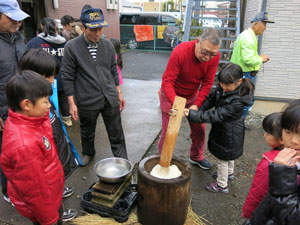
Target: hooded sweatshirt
{"x": 55, "y": 46}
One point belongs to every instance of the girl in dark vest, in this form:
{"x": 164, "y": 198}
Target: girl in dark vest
{"x": 226, "y": 137}
{"x": 54, "y": 44}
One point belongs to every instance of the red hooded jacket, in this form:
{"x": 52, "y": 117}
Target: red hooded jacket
{"x": 260, "y": 183}
{"x": 30, "y": 162}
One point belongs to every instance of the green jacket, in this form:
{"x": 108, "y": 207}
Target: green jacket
{"x": 245, "y": 51}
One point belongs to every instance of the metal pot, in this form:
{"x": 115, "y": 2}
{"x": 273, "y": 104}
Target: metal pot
{"x": 113, "y": 170}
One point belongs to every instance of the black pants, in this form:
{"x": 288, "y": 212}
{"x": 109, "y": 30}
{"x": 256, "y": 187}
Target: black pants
{"x": 112, "y": 120}
{"x": 3, "y": 178}
{"x": 63, "y": 103}
{"x": 60, "y": 211}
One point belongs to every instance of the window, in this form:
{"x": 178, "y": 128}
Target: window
{"x": 109, "y": 4}
{"x": 115, "y": 4}
{"x": 128, "y": 19}
{"x": 148, "y": 20}
{"x": 168, "y": 20}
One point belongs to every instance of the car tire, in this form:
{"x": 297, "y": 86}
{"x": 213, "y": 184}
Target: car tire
{"x": 132, "y": 44}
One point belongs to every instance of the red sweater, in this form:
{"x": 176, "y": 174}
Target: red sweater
{"x": 260, "y": 183}
{"x": 184, "y": 74}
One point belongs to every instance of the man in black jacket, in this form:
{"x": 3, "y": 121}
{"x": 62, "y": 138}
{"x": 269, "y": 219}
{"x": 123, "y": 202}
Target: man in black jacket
{"x": 89, "y": 74}
{"x": 12, "y": 48}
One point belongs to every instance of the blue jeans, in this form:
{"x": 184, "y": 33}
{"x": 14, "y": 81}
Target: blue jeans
{"x": 253, "y": 79}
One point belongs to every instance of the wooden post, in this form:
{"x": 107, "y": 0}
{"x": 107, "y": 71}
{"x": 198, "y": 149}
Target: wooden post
{"x": 176, "y": 115}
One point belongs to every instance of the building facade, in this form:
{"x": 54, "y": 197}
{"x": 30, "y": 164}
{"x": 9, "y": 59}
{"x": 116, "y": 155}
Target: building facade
{"x": 56, "y": 9}
{"x": 278, "y": 80}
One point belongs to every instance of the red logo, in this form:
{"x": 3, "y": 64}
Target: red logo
{"x": 45, "y": 45}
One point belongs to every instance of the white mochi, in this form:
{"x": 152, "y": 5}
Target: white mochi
{"x": 165, "y": 172}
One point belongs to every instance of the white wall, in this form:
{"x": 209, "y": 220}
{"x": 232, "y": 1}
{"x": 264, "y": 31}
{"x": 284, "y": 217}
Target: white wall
{"x": 279, "y": 78}
{"x": 252, "y": 7}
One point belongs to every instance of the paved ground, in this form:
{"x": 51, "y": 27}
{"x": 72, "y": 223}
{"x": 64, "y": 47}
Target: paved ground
{"x": 141, "y": 122}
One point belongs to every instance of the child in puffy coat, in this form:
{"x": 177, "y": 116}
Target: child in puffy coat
{"x": 259, "y": 187}
{"x": 226, "y": 137}
{"x": 45, "y": 64}
{"x": 35, "y": 176}
{"x": 282, "y": 203}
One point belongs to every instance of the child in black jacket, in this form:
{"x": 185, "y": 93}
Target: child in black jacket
{"x": 226, "y": 137}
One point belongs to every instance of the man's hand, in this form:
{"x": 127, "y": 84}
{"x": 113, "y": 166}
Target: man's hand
{"x": 194, "y": 107}
{"x": 265, "y": 58}
{"x": 121, "y": 101}
{"x": 287, "y": 157}
{"x": 73, "y": 108}
{"x": 1, "y": 124}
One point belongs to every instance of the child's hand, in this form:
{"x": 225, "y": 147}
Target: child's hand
{"x": 287, "y": 156}
{"x": 186, "y": 112}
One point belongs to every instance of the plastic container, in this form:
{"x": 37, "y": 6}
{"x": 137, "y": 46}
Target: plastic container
{"x": 121, "y": 210}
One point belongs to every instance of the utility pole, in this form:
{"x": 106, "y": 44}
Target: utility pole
{"x": 166, "y": 5}
{"x": 159, "y": 8}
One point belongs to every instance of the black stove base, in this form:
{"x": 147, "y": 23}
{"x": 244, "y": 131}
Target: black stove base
{"x": 121, "y": 210}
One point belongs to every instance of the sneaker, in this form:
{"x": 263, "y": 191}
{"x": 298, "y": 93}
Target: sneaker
{"x": 7, "y": 199}
{"x": 69, "y": 214}
{"x": 203, "y": 164}
{"x": 214, "y": 187}
{"x": 67, "y": 120}
{"x": 230, "y": 176}
{"x": 86, "y": 160}
{"x": 68, "y": 191}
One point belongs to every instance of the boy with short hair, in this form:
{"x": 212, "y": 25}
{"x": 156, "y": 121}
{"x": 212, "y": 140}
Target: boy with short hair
{"x": 29, "y": 156}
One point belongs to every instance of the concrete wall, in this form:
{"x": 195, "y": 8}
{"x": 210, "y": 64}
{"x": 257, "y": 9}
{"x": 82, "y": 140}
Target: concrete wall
{"x": 73, "y": 8}
{"x": 279, "y": 78}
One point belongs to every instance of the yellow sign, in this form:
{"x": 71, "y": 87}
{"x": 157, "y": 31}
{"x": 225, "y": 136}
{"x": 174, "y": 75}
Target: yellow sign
{"x": 160, "y": 30}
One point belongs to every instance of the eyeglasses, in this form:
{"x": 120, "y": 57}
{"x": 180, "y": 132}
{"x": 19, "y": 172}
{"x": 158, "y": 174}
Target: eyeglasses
{"x": 207, "y": 53}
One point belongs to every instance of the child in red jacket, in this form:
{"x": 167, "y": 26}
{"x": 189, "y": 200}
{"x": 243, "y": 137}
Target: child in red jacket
{"x": 29, "y": 157}
{"x": 259, "y": 187}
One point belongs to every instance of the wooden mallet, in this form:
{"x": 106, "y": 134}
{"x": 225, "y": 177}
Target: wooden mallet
{"x": 176, "y": 114}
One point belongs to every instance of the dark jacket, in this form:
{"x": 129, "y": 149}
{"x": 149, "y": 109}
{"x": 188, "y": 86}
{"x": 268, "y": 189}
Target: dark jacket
{"x": 91, "y": 82}
{"x": 226, "y": 137}
{"x": 282, "y": 203}
{"x": 54, "y": 45}
{"x": 12, "y": 48}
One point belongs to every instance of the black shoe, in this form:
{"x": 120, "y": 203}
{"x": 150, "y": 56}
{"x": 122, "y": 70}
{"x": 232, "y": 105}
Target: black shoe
{"x": 203, "y": 164}
{"x": 69, "y": 214}
{"x": 86, "y": 160}
{"x": 230, "y": 176}
{"x": 68, "y": 191}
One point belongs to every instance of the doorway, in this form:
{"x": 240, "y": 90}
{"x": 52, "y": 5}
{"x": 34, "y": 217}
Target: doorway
{"x": 37, "y": 10}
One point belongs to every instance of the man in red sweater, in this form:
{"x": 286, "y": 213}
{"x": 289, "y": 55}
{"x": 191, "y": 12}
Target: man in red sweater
{"x": 190, "y": 74}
